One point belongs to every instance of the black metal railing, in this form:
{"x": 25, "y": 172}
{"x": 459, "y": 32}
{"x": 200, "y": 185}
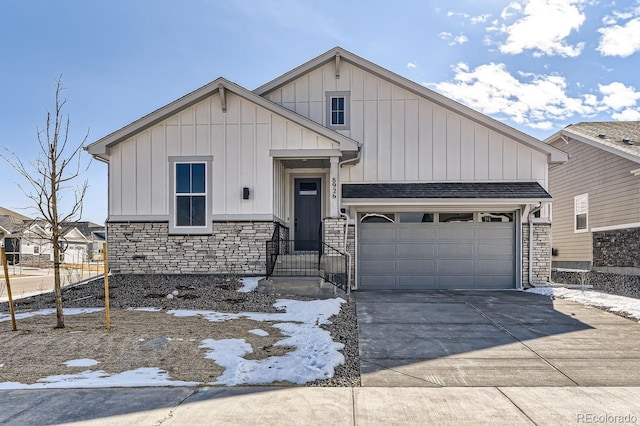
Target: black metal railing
{"x": 333, "y": 265}
{"x": 285, "y": 260}
{"x": 308, "y": 258}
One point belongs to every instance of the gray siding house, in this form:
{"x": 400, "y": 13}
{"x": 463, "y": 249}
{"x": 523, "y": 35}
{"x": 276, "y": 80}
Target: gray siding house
{"x": 596, "y": 212}
{"x": 422, "y": 191}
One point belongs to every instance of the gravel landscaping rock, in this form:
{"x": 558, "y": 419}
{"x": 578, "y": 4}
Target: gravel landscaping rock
{"x": 200, "y": 292}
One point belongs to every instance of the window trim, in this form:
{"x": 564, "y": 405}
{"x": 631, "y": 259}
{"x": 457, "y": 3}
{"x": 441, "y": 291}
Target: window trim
{"x": 207, "y": 160}
{"x": 347, "y": 110}
{"x": 581, "y": 210}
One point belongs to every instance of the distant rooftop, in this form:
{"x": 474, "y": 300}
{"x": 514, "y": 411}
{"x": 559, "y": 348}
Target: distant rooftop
{"x": 621, "y": 135}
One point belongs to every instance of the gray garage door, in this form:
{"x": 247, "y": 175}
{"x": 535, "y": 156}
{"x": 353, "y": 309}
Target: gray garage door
{"x": 437, "y": 255}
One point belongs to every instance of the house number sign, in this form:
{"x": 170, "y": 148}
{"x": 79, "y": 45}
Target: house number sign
{"x": 334, "y": 188}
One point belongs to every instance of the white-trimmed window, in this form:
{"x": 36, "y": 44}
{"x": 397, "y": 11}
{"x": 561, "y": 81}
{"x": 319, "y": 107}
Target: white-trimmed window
{"x": 581, "y": 213}
{"x": 338, "y": 110}
{"x": 190, "y": 195}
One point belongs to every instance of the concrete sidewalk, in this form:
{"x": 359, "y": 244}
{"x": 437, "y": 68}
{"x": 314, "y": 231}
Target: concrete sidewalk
{"x": 304, "y": 405}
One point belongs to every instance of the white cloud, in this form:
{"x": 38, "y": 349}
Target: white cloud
{"x": 453, "y": 40}
{"x": 620, "y": 40}
{"x": 617, "y": 96}
{"x": 543, "y": 27}
{"x": 412, "y": 65}
{"x": 629, "y": 114}
{"x": 480, "y": 19}
{"x": 533, "y": 100}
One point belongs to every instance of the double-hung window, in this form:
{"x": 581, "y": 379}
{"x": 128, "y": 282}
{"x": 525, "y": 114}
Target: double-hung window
{"x": 190, "y": 195}
{"x": 338, "y": 109}
{"x": 581, "y": 212}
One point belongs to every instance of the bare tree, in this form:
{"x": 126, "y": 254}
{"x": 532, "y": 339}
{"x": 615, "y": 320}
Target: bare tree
{"x": 50, "y": 176}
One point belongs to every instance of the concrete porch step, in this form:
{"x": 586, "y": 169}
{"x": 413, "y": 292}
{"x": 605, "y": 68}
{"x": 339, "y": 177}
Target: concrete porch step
{"x": 300, "y": 286}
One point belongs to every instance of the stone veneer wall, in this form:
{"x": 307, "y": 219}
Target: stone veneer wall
{"x": 334, "y": 237}
{"x": 618, "y": 248}
{"x": 147, "y": 247}
{"x": 616, "y": 264}
{"x": 541, "y": 253}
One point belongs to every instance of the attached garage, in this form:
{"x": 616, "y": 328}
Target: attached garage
{"x": 441, "y": 235}
{"x": 436, "y": 250}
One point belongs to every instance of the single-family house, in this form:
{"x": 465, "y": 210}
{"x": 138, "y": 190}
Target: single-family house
{"x": 596, "y": 212}
{"x": 337, "y": 155}
{"x": 24, "y": 240}
{"x": 95, "y": 235}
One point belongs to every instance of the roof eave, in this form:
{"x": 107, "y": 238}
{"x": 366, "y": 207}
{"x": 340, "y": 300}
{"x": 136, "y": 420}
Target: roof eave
{"x": 566, "y": 133}
{"x": 100, "y": 148}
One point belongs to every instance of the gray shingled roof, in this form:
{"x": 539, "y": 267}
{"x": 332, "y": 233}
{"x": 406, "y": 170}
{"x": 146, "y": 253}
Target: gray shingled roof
{"x": 613, "y": 131}
{"x": 467, "y": 190}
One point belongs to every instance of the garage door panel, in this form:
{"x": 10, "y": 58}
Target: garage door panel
{"x": 416, "y": 251}
{"x": 378, "y": 251}
{"x": 381, "y": 232}
{"x": 494, "y": 282}
{"x": 495, "y": 267}
{"x": 423, "y": 267}
{"x": 494, "y": 249}
{"x": 416, "y": 281}
{"x": 436, "y": 255}
{"x": 416, "y": 232}
{"x": 456, "y": 281}
{"x": 455, "y": 267}
{"x": 457, "y": 232}
{"x": 379, "y": 266}
{"x": 492, "y": 231}
{"x": 378, "y": 282}
{"x": 455, "y": 250}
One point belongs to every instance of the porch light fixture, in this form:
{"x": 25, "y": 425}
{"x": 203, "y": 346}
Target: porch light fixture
{"x": 245, "y": 193}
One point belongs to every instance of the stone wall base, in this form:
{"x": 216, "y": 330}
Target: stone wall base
{"x": 147, "y": 248}
{"x": 541, "y": 268}
{"x": 621, "y": 285}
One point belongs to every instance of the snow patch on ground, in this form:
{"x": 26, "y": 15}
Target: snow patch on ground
{"x": 315, "y": 356}
{"x": 249, "y": 284}
{"x": 140, "y": 377}
{"x": 42, "y": 312}
{"x": 628, "y": 306}
{"x": 83, "y": 362}
{"x": 258, "y": 332}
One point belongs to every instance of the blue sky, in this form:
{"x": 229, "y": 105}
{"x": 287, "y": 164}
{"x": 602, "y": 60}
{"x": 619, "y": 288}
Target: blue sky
{"x": 536, "y": 65}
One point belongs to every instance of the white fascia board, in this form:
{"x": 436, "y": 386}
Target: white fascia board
{"x": 555, "y": 155}
{"x": 509, "y": 204}
{"x": 635, "y": 172}
{"x": 585, "y": 140}
{"x": 304, "y": 153}
{"x": 616, "y": 227}
{"x": 100, "y": 148}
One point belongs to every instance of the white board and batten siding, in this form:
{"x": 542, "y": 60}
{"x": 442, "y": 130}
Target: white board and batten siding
{"x": 407, "y": 138}
{"x": 614, "y": 196}
{"x": 239, "y": 141}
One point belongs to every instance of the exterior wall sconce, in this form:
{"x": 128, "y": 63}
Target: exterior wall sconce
{"x": 245, "y": 193}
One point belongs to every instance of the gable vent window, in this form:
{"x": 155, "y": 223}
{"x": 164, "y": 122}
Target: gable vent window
{"x": 190, "y": 199}
{"x": 581, "y": 212}
{"x": 338, "y": 108}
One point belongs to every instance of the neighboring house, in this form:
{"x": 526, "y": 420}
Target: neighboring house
{"x": 436, "y": 194}
{"x": 25, "y": 241}
{"x": 596, "y": 213}
{"x": 28, "y": 241}
{"x": 95, "y": 235}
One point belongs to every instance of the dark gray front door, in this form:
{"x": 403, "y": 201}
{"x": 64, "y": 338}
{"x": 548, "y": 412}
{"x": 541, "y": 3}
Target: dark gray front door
{"x": 307, "y": 213}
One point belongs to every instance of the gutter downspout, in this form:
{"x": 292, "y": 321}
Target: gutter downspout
{"x": 346, "y": 224}
{"x": 346, "y": 229}
{"x": 530, "y": 218}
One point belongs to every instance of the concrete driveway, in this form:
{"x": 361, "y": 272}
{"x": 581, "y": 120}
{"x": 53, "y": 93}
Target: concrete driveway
{"x": 492, "y": 338}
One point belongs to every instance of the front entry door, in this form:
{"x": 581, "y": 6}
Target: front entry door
{"x": 307, "y": 200}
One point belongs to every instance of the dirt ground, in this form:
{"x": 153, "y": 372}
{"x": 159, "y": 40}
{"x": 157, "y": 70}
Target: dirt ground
{"x": 136, "y": 339}
{"x": 140, "y": 339}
